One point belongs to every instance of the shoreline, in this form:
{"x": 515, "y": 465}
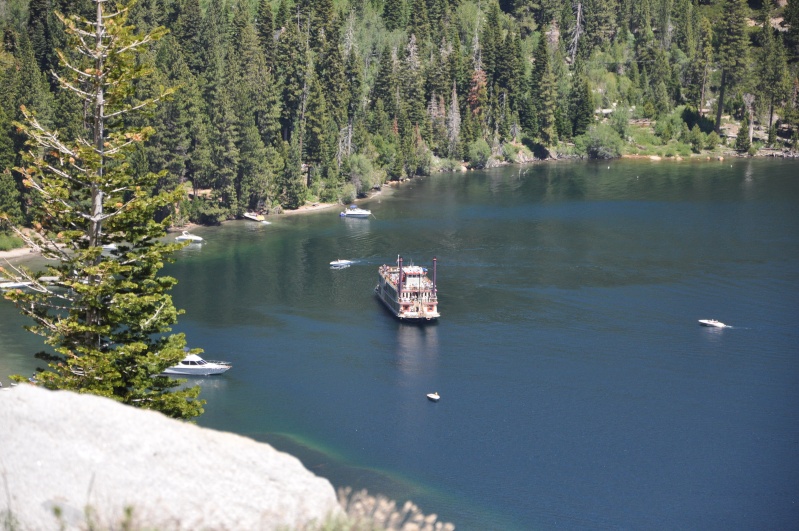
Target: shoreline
{"x": 22, "y": 253}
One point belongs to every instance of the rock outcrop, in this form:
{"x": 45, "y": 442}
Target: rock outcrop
{"x": 76, "y": 461}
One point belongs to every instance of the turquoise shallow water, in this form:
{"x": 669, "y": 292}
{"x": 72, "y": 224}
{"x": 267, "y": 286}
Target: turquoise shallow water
{"x": 578, "y": 390}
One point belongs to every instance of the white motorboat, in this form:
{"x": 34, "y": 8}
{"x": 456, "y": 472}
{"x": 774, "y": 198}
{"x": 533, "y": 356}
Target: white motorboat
{"x": 194, "y": 365}
{"x": 188, "y": 237}
{"x": 340, "y": 264}
{"x": 355, "y": 212}
{"x": 712, "y": 323}
{"x": 13, "y": 284}
{"x": 433, "y": 397}
{"x": 254, "y": 216}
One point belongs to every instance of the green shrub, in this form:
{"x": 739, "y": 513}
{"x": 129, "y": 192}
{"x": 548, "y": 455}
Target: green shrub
{"x": 206, "y": 211}
{"x": 620, "y": 120}
{"x": 712, "y": 141}
{"x": 479, "y": 153}
{"x": 510, "y": 152}
{"x": 9, "y": 242}
{"x": 697, "y": 139}
{"x": 449, "y": 165}
{"x": 599, "y": 142}
{"x": 669, "y": 127}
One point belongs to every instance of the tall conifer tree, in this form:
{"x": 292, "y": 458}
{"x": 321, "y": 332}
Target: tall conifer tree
{"x": 733, "y": 52}
{"x": 109, "y": 324}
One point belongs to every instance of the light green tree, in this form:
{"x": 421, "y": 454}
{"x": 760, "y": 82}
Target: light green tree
{"x": 108, "y": 320}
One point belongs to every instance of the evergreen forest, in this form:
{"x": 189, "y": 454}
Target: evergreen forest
{"x": 276, "y": 103}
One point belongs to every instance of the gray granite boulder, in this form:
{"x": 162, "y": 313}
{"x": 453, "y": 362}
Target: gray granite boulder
{"x": 91, "y": 461}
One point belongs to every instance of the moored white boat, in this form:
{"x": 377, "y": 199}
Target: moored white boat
{"x": 356, "y": 212}
{"x": 407, "y": 291}
{"x": 712, "y": 322}
{"x": 254, "y": 216}
{"x": 186, "y": 236}
{"x": 194, "y": 365}
{"x": 13, "y": 284}
{"x": 433, "y": 397}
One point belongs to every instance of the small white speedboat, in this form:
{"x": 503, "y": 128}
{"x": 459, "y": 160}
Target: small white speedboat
{"x": 13, "y": 284}
{"x": 712, "y": 323}
{"x": 355, "y": 212}
{"x": 188, "y": 237}
{"x": 433, "y": 397}
{"x": 194, "y": 365}
{"x": 340, "y": 264}
{"x": 254, "y": 216}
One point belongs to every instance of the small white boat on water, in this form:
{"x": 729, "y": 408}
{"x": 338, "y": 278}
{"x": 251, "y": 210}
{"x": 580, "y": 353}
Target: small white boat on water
{"x": 254, "y": 216}
{"x": 194, "y": 365}
{"x": 433, "y": 397}
{"x": 340, "y": 264}
{"x": 13, "y": 284}
{"x": 356, "y": 212}
{"x": 188, "y": 237}
{"x": 712, "y": 323}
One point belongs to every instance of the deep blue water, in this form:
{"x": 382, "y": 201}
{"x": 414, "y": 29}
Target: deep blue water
{"x": 578, "y": 390}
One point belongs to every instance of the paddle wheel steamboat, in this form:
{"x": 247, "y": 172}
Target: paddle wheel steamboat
{"x": 407, "y": 291}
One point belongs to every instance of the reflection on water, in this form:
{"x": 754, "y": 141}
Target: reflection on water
{"x": 417, "y": 348}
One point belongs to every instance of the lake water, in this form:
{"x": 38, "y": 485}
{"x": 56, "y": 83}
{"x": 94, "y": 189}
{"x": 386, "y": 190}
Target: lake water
{"x": 577, "y": 389}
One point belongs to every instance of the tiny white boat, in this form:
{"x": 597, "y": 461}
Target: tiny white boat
{"x": 110, "y": 247}
{"x": 355, "y": 212}
{"x": 194, "y": 365}
{"x": 340, "y": 264}
{"x": 11, "y": 284}
{"x": 188, "y": 237}
{"x": 254, "y": 216}
{"x": 712, "y": 323}
{"x": 433, "y": 397}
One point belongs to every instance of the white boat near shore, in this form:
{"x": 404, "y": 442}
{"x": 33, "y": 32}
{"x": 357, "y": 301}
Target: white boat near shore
{"x": 194, "y": 365}
{"x": 356, "y": 212}
{"x": 13, "y": 284}
{"x": 186, "y": 236}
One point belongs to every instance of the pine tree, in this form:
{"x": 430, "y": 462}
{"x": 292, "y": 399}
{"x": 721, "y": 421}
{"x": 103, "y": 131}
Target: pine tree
{"x": 413, "y": 96}
{"x": 332, "y": 76}
{"x": 187, "y": 34}
{"x": 733, "y": 49}
{"x": 292, "y": 182}
{"x": 317, "y": 118}
{"x": 544, "y": 91}
{"x": 290, "y": 65}
{"x": 386, "y": 84}
{"x": 772, "y": 68}
{"x": 791, "y": 16}
{"x": 10, "y": 201}
{"x": 394, "y": 14}
{"x": 742, "y": 142}
{"x": 419, "y": 25}
{"x": 454, "y": 126}
{"x": 582, "y": 107}
{"x": 109, "y": 323}
{"x": 266, "y": 31}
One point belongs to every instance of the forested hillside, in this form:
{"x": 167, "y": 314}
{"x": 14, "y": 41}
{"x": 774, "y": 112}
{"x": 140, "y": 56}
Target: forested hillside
{"x": 280, "y": 102}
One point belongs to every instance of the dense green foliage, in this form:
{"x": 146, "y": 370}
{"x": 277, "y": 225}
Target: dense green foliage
{"x": 285, "y": 101}
{"x": 107, "y": 314}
